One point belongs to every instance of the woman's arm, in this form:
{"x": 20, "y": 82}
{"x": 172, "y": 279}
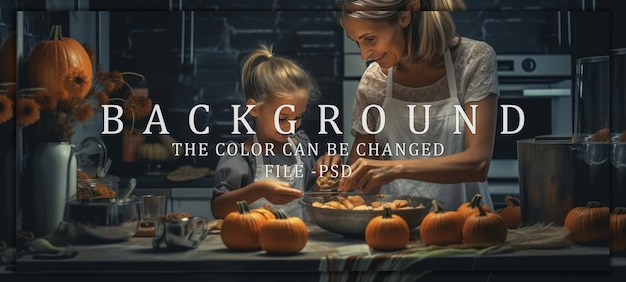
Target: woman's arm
{"x": 470, "y": 165}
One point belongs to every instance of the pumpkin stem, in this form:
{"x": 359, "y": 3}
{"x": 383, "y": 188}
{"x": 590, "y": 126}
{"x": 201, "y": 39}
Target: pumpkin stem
{"x": 243, "y": 207}
{"x": 133, "y": 73}
{"x": 512, "y": 201}
{"x": 436, "y": 207}
{"x": 476, "y": 200}
{"x": 56, "y": 34}
{"x": 619, "y": 210}
{"x": 386, "y": 212}
{"x": 593, "y": 204}
{"x": 280, "y": 214}
{"x": 481, "y": 210}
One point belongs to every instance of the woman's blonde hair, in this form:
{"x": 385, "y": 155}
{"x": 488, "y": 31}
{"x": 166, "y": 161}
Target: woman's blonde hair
{"x": 265, "y": 76}
{"x": 431, "y": 30}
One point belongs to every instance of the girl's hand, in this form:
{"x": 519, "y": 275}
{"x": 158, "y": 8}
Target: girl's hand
{"x": 278, "y": 192}
{"x": 326, "y": 161}
{"x": 368, "y": 174}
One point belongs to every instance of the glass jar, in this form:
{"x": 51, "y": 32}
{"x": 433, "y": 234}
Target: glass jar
{"x": 106, "y": 187}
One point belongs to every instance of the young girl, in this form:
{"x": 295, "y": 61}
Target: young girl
{"x": 277, "y": 175}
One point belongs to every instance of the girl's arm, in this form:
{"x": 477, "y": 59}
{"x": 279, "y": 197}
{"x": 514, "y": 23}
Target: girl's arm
{"x": 276, "y": 192}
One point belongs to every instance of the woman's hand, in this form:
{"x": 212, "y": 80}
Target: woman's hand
{"x": 278, "y": 192}
{"x": 368, "y": 174}
{"x": 326, "y": 161}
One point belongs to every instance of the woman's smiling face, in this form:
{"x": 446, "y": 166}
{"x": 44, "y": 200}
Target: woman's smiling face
{"x": 382, "y": 41}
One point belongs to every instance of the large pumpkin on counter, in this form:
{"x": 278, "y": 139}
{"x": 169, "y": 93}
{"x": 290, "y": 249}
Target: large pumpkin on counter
{"x": 617, "y": 225}
{"x": 61, "y": 65}
{"x": 283, "y": 235}
{"x": 8, "y": 54}
{"x": 441, "y": 227}
{"x": 240, "y": 229}
{"x": 589, "y": 223}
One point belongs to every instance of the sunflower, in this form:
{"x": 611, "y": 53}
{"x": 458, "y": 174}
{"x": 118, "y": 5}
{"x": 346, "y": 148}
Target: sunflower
{"x": 77, "y": 83}
{"x": 45, "y": 100}
{"x": 102, "y": 97}
{"x": 6, "y": 108}
{"x": 83, "y": 112}
{"x": 27, "y": 111}
{"x": 137, "y": 107}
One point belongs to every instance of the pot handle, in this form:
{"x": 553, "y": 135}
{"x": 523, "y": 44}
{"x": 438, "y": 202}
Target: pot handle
{"x": 205, "y": 231}
{"x": 160, "y": 235}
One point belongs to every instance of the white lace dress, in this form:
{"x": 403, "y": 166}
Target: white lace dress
{"x": 475, "y": 69}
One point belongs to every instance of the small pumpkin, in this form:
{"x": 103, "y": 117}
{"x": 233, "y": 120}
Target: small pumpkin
{"x": 617, "y": 225}
{"x": 387, "y": 232}
{"x": 589, "y": 223}
{"x": 512, "y": 213}
{"x": 484, "y": 227}
{"x": 240, "y": 229}
{"x": 154, "y": 152}
{"x": 441, "y": 227}
{"x": 471, "y": 207}
{"x": 61, "y": 65}
{"x": 8, "y": 54}
{"x": 283, "y": 235}
{"x": 267, "y": 211}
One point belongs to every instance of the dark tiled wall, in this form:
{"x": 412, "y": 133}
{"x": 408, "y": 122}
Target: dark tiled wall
{"x": 151, "y": 43}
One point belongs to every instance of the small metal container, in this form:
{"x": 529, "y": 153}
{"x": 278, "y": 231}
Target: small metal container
{"x": 183, "y": 233}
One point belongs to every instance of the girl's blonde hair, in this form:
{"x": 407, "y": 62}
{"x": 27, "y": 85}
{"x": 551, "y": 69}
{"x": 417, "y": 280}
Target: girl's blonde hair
{"x": 431, "y": 30}
{"x": 265, "y": 76}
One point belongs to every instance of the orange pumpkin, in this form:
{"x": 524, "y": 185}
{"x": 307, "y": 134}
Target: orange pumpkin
{"x": 283, "y": 235}
{"x": 441, "y": 227}
{"x": 387, "y": 232}
{"x": 240, "y": 229}
{"x": 617, "y": 225}
{"x": 8, "y": 54}
{"x": 60, "y": 65}
{"x": 589, "y": 223}
{"x": 512, "y": 213}
{"x": 266, "y": 211}
{"x": 471, "y": 207}
{"x": 484, "y": 227}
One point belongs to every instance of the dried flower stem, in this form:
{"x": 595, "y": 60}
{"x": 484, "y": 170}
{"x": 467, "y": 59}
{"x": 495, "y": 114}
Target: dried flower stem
{"x": 133, "y": 73}
{"x": 125, "y": 83}
{"x": 132, "y": 125}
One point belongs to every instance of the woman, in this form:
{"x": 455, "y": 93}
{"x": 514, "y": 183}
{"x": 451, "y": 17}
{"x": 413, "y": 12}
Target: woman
{"x": 419, "y": 61}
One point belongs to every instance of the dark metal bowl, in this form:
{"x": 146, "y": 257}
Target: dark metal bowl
{"x": 103, "y": 219}
{"x": 352, "y": 223}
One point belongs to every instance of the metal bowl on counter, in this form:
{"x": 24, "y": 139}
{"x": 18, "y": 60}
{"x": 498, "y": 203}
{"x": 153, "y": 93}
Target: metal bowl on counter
{"x": 352, "y": 223}
{"x": 103, "y": 219}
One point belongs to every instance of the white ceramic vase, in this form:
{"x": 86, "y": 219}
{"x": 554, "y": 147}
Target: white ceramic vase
{"x": 54, "y": 182}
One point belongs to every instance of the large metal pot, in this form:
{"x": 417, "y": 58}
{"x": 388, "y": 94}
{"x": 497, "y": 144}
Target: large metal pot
{"x": 352, "y": 223}
{"x": 103, "y": 219}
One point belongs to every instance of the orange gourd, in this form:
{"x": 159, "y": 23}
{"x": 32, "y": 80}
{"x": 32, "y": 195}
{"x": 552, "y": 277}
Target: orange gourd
{"x": 617, "y": 225}
{"x": 484, "y": 227}
{"x": 266, "y": 211}
{"x": 8, "y": 54}
{"x": 589, "y": 223}
{"x": 471, "y": 207}
{"x": 512, "y": 213}
{"x": 441, "y": 227}
{"x": 61, "y": 65}
{"x": 283, "y": 235}
{"x": 387, "y": 232}
{"x": 240, "y": 229}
